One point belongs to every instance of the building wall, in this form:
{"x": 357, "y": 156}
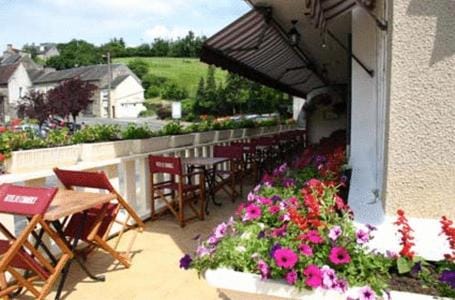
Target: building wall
{"x": 18, "y": 86}
{"x": 421, "y": 160}
{"x": 128, "y": 98}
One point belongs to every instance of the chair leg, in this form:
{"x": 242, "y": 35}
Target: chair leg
{"x": 181, "y": 212}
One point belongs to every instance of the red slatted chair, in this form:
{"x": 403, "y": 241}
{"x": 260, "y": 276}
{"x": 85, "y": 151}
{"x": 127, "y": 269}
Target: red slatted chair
{"x": 98, "y": 238}
{"x": 17, "y": 253}
{"x": 251, "y": 158}
{"x": 179, "y": 191}
{"x": 227, "y": 180}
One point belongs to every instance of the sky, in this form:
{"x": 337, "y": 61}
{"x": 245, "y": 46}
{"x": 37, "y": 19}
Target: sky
{"x": 97, "y": 21}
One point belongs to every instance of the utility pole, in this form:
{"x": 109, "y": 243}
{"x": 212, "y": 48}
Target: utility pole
{"x": 109, "y": 83}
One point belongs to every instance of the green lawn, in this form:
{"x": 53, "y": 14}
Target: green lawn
{"x": 185, "y": 72}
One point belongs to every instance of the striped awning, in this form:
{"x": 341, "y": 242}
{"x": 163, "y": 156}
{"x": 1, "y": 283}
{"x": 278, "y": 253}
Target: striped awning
{"x": 255, "y": 47}
{"x": 323, "y": 11}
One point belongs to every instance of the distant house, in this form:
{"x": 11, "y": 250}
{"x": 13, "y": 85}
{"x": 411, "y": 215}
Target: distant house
{"x": 127, "y": 93}
{"x": 13, "y": 56}
{"x": 47, "y": 50}
{"x": 14, "y": 84}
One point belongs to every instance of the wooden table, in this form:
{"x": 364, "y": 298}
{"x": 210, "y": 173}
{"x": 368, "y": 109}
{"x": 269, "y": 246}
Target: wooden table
{"x": 208, "y": 166}
{"x": 68, "y": 202}
{"x": 65, "y": 204}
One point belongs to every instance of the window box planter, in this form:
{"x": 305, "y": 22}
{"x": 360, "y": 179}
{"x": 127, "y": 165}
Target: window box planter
{"x": 178, "y": 141}
{"x": 252, "y": 283}
{"x": 150, "y": 145}
{"x": 236, "y": 133}
{"x": 105, "y": 150}
{"x": 204, "y": 137}
{"x": 36, "y": 159}
{"x": 252, "y": 132}
{"x": 222, "y": 135}
{"x": 271, "y": 129}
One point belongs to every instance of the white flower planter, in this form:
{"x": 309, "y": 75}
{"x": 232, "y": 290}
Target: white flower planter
{"x": 236, "y": 133}
{"x": 105, "y": 150}
{"x": 204, "y": 137}
{"x": 253, "y": 284}
{"x": 150, "y": 145}
{"x": 36, "y": 159}
{"x": 178, "y": 141}
{"x": 222, "y": 135}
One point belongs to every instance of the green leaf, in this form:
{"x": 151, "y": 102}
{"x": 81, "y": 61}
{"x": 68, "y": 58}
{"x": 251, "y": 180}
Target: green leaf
{"x": 404, "y": 265}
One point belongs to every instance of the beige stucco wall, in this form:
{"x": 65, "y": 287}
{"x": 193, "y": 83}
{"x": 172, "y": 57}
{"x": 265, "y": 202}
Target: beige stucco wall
{"x": 421, "y": 137}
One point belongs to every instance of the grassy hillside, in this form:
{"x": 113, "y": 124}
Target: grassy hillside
{"x": 185, "y": 72}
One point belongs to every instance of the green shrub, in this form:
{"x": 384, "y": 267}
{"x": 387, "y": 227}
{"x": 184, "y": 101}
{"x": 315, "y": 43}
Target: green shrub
{"x": 133, "y": 131}
{"x": 152, "y": 92}
{"x": 97, "y": 133}
{"x": 173, "y": 92}
{"x": 172, "y": 128}
{"x": 58, "y": 137}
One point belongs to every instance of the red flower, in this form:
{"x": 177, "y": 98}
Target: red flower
{"x": 406, "y": 237}
{"x": 449, "y": 231}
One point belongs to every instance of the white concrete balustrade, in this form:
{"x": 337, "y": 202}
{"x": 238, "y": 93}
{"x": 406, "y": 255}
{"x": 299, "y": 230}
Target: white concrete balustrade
{"x": 124, "y": 162}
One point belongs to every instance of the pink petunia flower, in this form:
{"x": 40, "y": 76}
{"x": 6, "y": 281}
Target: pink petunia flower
{"x": 252, "y": 212}
{"x": 366, "y": 293}
{"x": 285, "y": 258}
{"x": 264, "y": 200}
{"x": 291, "y": 277}
{"x": 220, "y": 230}
{"x": 362, "y": 236}
{"x": 274, "y": 209}
{"x": 335, "y": 232}
{"x": 306, "y": 250}
{"x": 313, "y": 276}
{"x": 339, "y": 256}
{"x": 263, "y": 269}
{"x": 329, "y": 278}
{"x": 314, "y": 237}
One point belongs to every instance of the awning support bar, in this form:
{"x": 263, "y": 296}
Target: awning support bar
{"x": 368, "y": 70}
{"x": 382, "y": 24}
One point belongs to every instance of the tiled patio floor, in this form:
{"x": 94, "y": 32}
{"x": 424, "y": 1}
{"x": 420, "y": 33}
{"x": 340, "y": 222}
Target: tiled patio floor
{"x": 155, "y": 272}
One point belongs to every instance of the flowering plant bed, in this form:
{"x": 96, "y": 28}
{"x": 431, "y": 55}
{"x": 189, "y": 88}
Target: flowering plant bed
{"x": 294, "y": 227}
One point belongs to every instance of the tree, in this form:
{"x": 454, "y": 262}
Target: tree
{"x": 200, "y": 96}
{"x": 115, "y": 46}
{"x": 34, "y": 105}
{"x": 76, "y": 53}
{"x": 173, "y": 92}
{"x": 139, "y": 67}
{"x": 71, "y": 97}
{"x": 160, "y": 47}
{"x": 32, "y": 49}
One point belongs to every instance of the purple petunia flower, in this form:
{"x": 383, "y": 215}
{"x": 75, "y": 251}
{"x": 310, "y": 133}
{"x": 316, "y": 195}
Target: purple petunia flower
{"x": 448, "y": 277}
{"x": 261, "y": 234}
{"x": 335, "y": 232}
{"x": 291, "y": 277}
{"x": 366, "y": 293}
{"x": 203, "y": 251}
{"x": 285, "y": 258}
{"x": 212, "y": 240}
{"x": 276, "y": 198}
{"x": 329, "y": 278}
{"x": 185, "y": 262}
{"x": 341, "y": 286}
{"x": 288, "y": 182}
{"x": 274, "y": 248}
{"x": 362, "y": 237}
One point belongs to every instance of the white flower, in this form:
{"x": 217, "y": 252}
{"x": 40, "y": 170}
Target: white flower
{"x": 240, "y": 249}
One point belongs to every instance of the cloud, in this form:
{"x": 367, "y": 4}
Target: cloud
{"x": 160, "y": 31}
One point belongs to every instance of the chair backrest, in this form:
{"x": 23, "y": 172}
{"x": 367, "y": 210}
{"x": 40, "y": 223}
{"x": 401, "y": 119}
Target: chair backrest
{"x": 165, "y": 165}
{"x": 232, "y": 151}
{"x": 96, "y": 180}
{"x": 26, "y": 201}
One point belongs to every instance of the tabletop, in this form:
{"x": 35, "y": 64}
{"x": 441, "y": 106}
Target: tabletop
{"x": 68, "y": 202}
{"x": 204, "y": 161}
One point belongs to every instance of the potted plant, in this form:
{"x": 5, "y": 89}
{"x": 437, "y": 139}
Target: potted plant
{"x": 143, "y": 140}
{"x": 178, "y": 137}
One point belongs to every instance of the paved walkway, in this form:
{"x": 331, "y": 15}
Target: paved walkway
{"x": 155, "y": 272}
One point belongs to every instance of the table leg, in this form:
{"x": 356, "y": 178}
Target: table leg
{"x": 65, "y": 271}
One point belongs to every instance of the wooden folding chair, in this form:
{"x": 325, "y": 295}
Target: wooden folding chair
{"x": 18, "y": 253}
{"x": 98, "y": 237}
{"x": 228, "y": 179}
{"x": 177, "y": 192}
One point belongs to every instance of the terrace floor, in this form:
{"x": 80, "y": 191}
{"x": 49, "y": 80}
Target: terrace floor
{"x": 155, "y": 272}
